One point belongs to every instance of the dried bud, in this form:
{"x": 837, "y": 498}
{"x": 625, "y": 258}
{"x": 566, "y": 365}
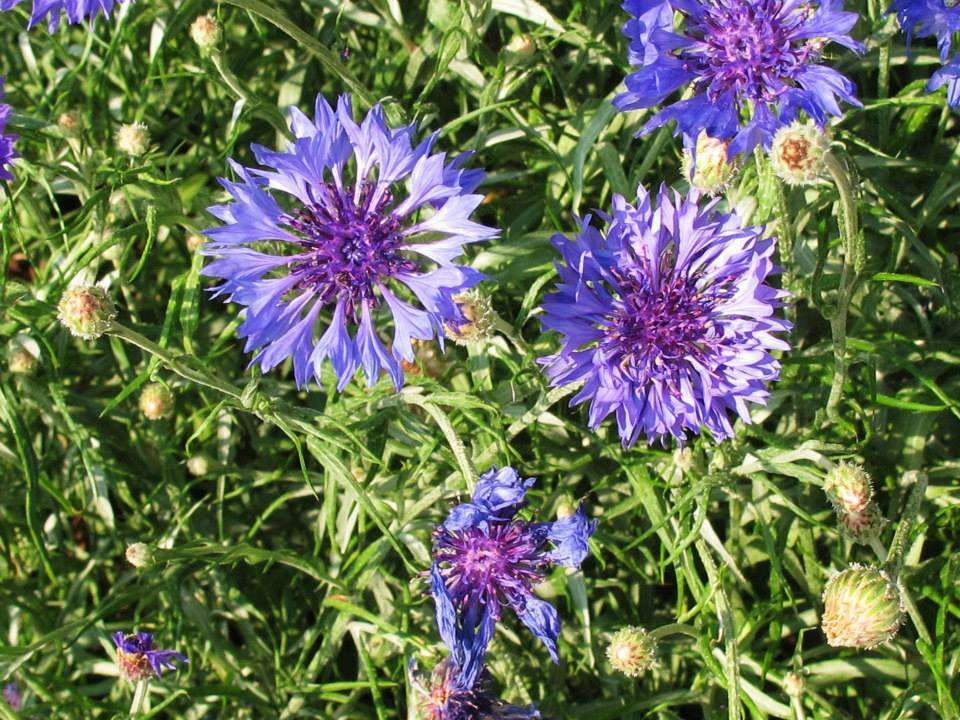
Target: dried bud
{"x": 863, "y": 526}
{"x": 793, "y": 684}
{"x": 797, "y": 153}
{"x": 156, "y": 402}
{"x": 133, "y": 139}
{"x": 709, "y": 169}
{"x": 23, "y": 355}
{"x": 848, "y": 487}
{"x": 479, "y": 318}
{"x": 86, "y": 311}
{"x": 140, "y": 555}
{"x": 206, "y": 32}
{"x": 198, "y": 465}
{"x": 632, "y": 651}
{"x": 69, "y": 123}
{"x": 862, "y": 608}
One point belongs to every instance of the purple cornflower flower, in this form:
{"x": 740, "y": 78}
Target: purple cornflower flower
{"x": 666, "y": 317}
{"x": 744, "y": 58}
{"x": 941, "y": 19}
{"x": 7, "y": 153}
{"x": 12, "y": 695}
{"x": 368, "y": 222}
{"x": 444, "y": 697}
{"x": 137, "y": 659}
{"x": 486, "y": 559}
{"x": 76, "y": 10}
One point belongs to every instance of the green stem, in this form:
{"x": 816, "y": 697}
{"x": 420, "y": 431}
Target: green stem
{"x": 674, "y": 629}
{"x": 139, "y": 697}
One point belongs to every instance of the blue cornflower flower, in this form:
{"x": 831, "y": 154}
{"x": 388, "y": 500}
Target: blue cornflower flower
{"x": 940, "y": 19}
{"x": 137, "y": 659}
{"x": 445, "y": 697}
{"x": 13, "y": 696}
{"x": 753, "y": 65}
{"x": 665, "y": 317}
{"x": 7, "y": 153}
{"x": 368, "y": 222}
{"x": 486, "y": 559}
{"x": 76, "y": 10}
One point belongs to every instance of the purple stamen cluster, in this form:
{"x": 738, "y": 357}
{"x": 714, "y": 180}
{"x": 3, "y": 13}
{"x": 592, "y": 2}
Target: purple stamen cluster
{"x": 368, "y": 226}
{"x": 137, "y": 660}
{"x": 666, "y": 318}
{"x": 939, "y": 19}
{"x": 756, "y": 58}
{"x": 76, "y": 11}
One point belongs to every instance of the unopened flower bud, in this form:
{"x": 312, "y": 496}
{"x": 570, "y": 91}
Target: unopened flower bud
{"x": 23, "y": 355}
{"x": 140, "y": 555}
{"x": 133, "y": 139}
{"x": 156, "y": 402}
{"x": 793, "y": 684}
{"x": 632, "y": 651}
{"x": 69, "y": 122}
{"x": 709, "y": 169}
{"x": 194, "y": 242}
{"x": 206, "y": 32}
{"x": 848, "y": 487}
{"x": 86, "y": 311}
{"x": 798, "y": 153}
{"x": 520, "y": 48}
{"x": 479, "y": 318}
{"x": 198, "y": 465}
{"x": 862, "y": 608}
{"x": 863, "y": 526}
{"x": 566, "y": 508}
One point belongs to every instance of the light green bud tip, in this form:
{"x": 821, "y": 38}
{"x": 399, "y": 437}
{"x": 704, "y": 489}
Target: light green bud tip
{"x": 848, "y": 488}
{"x": 479, "y": 318}
{"x": 709, "y": 170}
{"x": 156, "y": 402}
{"x": 862, "y": 608}
{"x": 798, "y": 153}
{"x": 632, "y": 651}
{"x": 86, "y": 311}
{"x": 140, "y": 555}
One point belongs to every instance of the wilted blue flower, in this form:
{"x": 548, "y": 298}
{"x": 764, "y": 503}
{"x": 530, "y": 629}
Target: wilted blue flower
{"x": 76, "y": 10}
{"x": 665, "y": 318}
{"x": 365, "y": 225}
{"x": 12, "y": 696}
{"x": 758, "y": 58}
{"x": 137, "y": 659}
{"x": 486, "y": 559}
{"x": 7, "y": 153}
{"x": 940, "y": 19}
{"x": 444, "y": 697}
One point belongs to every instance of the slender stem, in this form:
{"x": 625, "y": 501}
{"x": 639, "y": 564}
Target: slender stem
{"x": 674, "y": 629}
{"x": 139, "y": 697}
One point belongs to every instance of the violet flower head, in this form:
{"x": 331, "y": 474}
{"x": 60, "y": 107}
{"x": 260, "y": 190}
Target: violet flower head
{"x": 363, "y": 226}
{"x": 758, "y": 59}
{"x": 486, "y": 560}
{"x": 939, "y": 19}
{"x": 665, "y": 317}
{"x": 444, "y": 697}
{"x": 13, "y": 696}
{"x": 137, "y": 660}
{"x": 76, "y": 10}
{"x": 7, "y": 153}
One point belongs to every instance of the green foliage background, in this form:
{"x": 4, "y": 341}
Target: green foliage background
{"x": 292, "y": 574}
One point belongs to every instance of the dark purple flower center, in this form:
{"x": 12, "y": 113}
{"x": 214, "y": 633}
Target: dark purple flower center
{"x": 746, "y": 47}
{"x": 498, "y": 564}
{"x": 658, "y": 328}
{"x": 351, "y": 242}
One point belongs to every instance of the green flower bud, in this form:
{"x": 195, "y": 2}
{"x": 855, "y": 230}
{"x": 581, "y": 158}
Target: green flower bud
{"x": 70, "y": 123}
{"x": 848, "y": 487}
{"x": 206, "y": 32}
{"x": 479, "y": 318}
{"x": 140, "y": 555}
{"x": 863, "y": 526}
{"x": 632, "y": 651}
{"x": 798, "y": 153}
{"x": 198, "y": 465}
{"x": 86, "y": 311}
{"x": 133, "y": 139}
{"x": 156, "y": 402}
{"x": 709, "y": 169}
{"x": 862, "y": 608}
{"x": 23, "y": 355}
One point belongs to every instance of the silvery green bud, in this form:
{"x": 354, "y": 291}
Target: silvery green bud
{"x": 198, "y": 465}
{"x": 86, "y": 311}
{"x": 709, "y": 169}
{"x": 798, "y": 153}
{"x": 23, "y": 355}
{"x": 862, "y": 608}
{"x": 479, "y": 318}
{"x": 632, "y": 651}
{"x": 133, "y": 139}
{"x": 848, "y": 487}
{"x": 140, "y": 555}
{"x": 156, "y": 402}
{"x": 206, "y": 32}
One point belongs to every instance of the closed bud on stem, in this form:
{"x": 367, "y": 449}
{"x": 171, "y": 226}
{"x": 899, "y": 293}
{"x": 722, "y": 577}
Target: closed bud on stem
{"x": 198, "y": 465}
{"x": 848, "y": 488}
{"x": 793, "y": 684}
{"x": 520, "y": 48}
{"x": 632, "y": 651}
{"x": 140, "y": 555}
{"x": 862, "y": 527}
{"x": 86, "y": 311}
{"x": 156, "y": 402}
{"x": 798, "y": 153}
{"x": 480, "y": 318}
{"x": 862, "y": 608}
{"x": 133, "y": 139}
{"x": 194, "y": 242}
{"x": 23, "y": 355}
{"x": 69, "y": 123}
{"x": 206, "y": 32}
{"x": 709, "y": 169}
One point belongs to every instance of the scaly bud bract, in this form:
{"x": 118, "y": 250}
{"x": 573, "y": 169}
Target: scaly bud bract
{"x": 86, "y": 311}
{"x": 632, "y": 651}
{"x": 862, "y": 608}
